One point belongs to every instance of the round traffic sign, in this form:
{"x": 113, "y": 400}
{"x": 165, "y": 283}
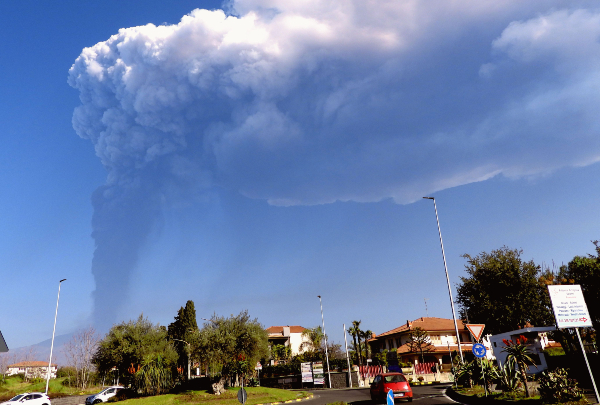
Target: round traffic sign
{"x": 479, "y": 350}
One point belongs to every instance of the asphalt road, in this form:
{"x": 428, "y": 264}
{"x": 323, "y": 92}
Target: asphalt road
{"x": 422, "y": 395}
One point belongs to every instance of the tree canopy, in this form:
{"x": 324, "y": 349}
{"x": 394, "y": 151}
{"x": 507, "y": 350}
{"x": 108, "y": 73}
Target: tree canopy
{"x": 419, "y": 342}
{"x": 503, "y": 292}
{"x": 183, "y": 331}
{"x": 237, "y": 342}
{"x": 133, "y": 346}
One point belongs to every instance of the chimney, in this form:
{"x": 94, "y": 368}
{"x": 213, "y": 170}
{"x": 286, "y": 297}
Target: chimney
{"x": 286, "y": 331}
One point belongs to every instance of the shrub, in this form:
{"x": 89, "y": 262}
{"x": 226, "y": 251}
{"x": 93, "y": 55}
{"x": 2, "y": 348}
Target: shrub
{"x": 555, "y": 386}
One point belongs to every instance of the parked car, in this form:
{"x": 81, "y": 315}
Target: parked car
{"x": 396, "y": 382}
{"x": 29, "y": 398}
{"x": 103, "y": 395}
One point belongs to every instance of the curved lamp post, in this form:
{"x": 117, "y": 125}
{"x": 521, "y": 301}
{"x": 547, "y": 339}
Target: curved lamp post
{"x": 53, "y": 331}
{"x": 448, "y": 281}
{"x": 189, "y": 353}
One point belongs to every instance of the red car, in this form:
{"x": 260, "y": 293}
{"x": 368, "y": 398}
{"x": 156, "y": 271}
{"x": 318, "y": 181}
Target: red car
{"x": 390, "y": 381}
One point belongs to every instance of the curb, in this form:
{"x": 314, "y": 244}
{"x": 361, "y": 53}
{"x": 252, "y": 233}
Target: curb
{"x": 309, "y": 396}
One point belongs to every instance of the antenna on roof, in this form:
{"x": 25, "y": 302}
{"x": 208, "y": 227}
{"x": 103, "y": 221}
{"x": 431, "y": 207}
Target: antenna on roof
{"x": 426, "y": 311}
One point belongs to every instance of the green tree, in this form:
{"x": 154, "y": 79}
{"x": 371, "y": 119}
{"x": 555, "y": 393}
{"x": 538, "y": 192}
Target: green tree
{"x": 355, "y": 332}
{"x": 366, "y": 335}
{"x": 503, "y": 292}
{"x": 281, "y": 352}
{"x": 130, "y": 345}
{"x": 312, "y": 344}
{"x": 585, "y": 271}
{"x": 419, "y": 342}
{"x": 520, "y": 354}
{"x": 183, "y": 332}
{"x": 236, "y": 343}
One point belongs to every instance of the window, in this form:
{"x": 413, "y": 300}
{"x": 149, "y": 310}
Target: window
{"x": 395, "y": 378}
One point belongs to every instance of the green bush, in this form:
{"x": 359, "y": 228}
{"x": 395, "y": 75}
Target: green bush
{"x": 556, "y": 386}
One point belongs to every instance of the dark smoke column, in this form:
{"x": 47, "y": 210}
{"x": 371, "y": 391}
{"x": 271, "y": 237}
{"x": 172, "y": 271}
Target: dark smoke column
{"x": 123, "y": 218}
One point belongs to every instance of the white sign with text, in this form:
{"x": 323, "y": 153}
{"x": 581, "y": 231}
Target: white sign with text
{"x": 569, "y": 306}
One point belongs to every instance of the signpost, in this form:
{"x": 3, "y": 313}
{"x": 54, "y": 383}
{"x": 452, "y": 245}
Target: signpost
{"x": 306, "y": 371}
{"x": 258, "y": 368}
{"x": 318, "y": 375}
{"x": 479, "y": 350}
{"x": 242, "y": 396}
{"x": 570, "y": 311}
{"x": 390, "y": 397}
{"x": 476, "y": 330}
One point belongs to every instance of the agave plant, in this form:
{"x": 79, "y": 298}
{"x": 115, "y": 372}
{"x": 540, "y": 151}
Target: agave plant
{"x": 154, "y": 376}
{"x": 520, "y": 354}
{"x": 507, "y": 377}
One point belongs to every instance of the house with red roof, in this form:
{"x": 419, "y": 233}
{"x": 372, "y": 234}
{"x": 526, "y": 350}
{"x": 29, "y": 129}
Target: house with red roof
{"x": 442, "y": 337}
{"x": 32, "y": 369}
{"x": 289, "y": 336}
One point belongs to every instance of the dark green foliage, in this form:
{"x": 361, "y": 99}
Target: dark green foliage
{"x": 464, "y": 373}
{"x": 281, "y": 352}
{"x": 184, "y": 329}
{"x": 237, "y": 343}
{"x": 154, "y": 376}
{"x": 556, "y": 386}
{"x": 130, "y": 345}
{"x": 503, "y": 292}
{"x": 419, "y": 342}
{"x": 65, "y": 372}
{"x": 586, "y": 272}
{"x": 356, "y": 332}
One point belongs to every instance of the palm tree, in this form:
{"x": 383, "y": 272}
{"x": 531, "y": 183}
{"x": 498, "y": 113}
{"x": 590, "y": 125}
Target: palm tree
{"x": 520, "y": 354}
{"x": 366, "y": 335}
{"x": 311, "y": 340}
{"x": 355, "y": 332}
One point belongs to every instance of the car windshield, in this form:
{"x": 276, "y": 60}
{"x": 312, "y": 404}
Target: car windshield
{"x": 394, "y": 378}
{"x": 17, "y": 397}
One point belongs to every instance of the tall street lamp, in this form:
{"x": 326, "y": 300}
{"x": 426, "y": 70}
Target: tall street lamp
{"x": 447, "y": 280}
{"x": 325, "y": 336}
{"x": 52, "y": 344}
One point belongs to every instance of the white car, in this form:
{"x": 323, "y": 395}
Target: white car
{"x": 103, "y": 395}
{"x": 29, "y": 398}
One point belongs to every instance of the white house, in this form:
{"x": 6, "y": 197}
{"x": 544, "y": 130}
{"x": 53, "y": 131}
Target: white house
{"x": 32, "y": 369}
{"x": 289, "y": 336}
{"x": 537, "y": 340}
{"x": 442, "y": 337}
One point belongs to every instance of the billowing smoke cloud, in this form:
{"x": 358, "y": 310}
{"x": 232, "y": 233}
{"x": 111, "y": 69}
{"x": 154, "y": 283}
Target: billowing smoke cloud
{"x": 313, "y": 101}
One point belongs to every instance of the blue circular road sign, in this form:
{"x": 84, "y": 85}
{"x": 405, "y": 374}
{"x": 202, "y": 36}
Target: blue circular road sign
{"x": 479, "y": 350}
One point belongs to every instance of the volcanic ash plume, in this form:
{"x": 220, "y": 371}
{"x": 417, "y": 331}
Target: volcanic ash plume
{"x": 311, "y": 102}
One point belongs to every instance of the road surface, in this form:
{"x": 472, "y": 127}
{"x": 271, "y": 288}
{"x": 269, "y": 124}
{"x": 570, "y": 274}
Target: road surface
{"x": 422, "y": 395}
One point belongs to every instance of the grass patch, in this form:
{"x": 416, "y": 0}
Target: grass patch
{"x": 15, "y": 385}
{"x": 256, "y": 395}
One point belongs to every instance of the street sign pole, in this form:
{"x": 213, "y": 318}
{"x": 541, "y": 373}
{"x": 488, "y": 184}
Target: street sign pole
{"x": 570, "y": 311}
{"x": 588, "y": 365}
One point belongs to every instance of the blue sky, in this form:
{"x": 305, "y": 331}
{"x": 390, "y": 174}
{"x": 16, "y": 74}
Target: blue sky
{"x": 257, "y": 157}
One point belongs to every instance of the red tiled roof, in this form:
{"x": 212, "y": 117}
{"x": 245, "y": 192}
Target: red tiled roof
{"x": 279, "y": 329}
{"x": 31, "y": 364}
{"x": 426, "y": 323}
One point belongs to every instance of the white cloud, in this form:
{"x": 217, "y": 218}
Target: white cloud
{"x": 305, "y": 102}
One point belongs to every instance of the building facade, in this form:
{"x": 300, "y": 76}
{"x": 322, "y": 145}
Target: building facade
{"x": 442, "y": 339}
{"x": 32, "y": 369}
{"x": 289, "y": 336}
